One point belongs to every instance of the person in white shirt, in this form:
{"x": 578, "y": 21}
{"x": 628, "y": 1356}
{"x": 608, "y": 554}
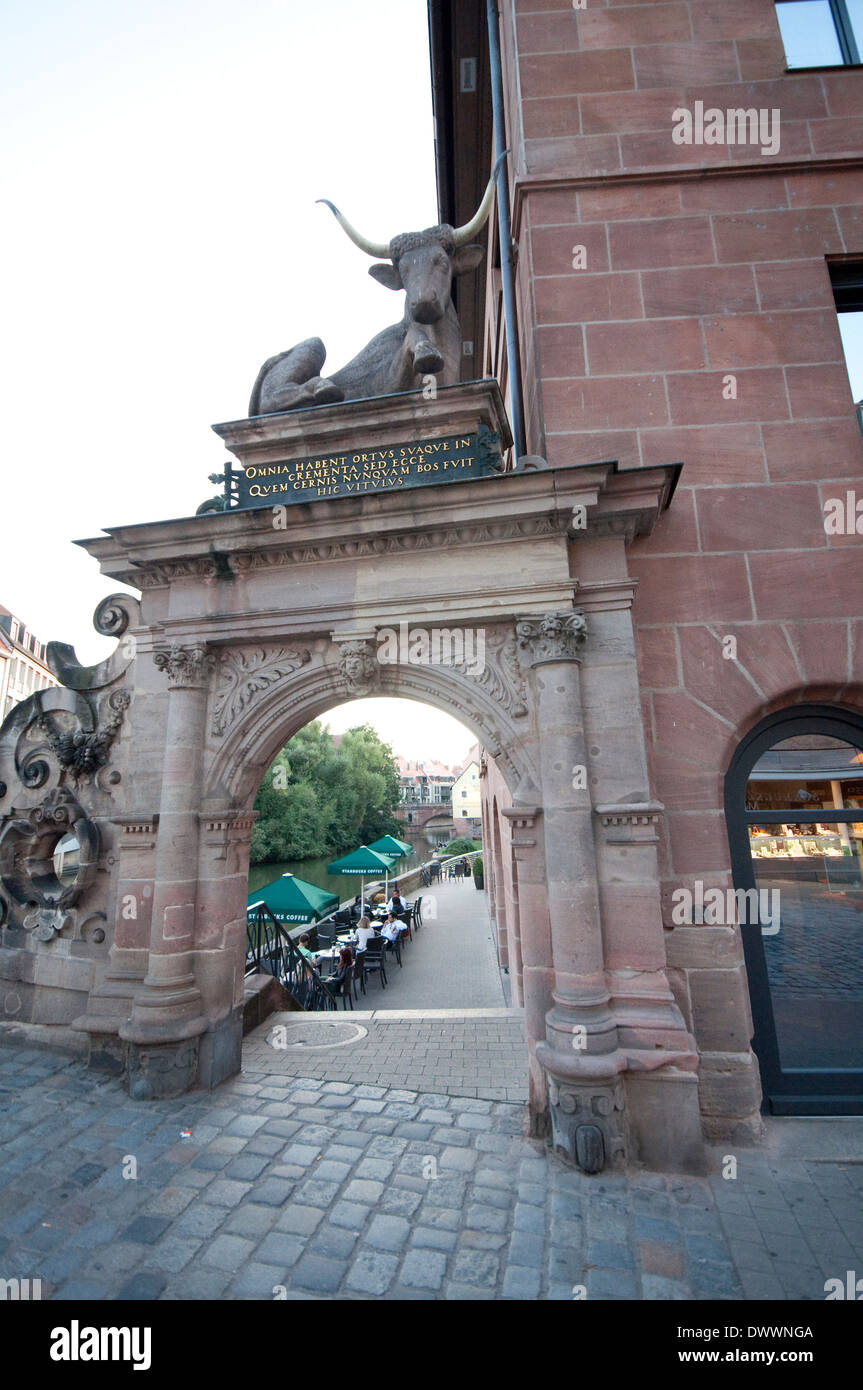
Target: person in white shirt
{"x": 392, "y": 929}
{"x": 365, "y": 930}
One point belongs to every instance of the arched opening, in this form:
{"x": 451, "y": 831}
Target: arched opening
{"x": 449, "y": 963}
{"x": 794, "y": 809}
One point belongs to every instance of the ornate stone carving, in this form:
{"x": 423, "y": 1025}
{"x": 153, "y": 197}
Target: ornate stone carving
{"x": 501, "y": 674}
{"x": 27, "y": 847}
{"x": 358, "y": 666}
{"x": 185, "y": 667}
{"x": 114, "y": 615}
{"x": 62, "y": 725}
{"x": 79, "y": 753}
{"x": 243, "y": 673}
{"x": 587, "y": 1122}
{"x": 552, "y": 637}
{"x": 157, "y": 575}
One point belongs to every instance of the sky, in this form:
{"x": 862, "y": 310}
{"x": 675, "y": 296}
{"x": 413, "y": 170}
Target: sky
{"x": 435, "y": 736}
{"x": 161, "y": 238}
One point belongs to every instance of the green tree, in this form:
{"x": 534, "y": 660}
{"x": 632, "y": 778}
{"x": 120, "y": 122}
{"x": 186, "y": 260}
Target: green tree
{"x": 319, "y": 798}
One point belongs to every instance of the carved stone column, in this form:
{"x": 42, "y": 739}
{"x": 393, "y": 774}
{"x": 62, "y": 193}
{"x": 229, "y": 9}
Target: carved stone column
{"x": 580, "y": 1053}
{"x": 167, "y": 1018}
{"x": 537, "y": 969}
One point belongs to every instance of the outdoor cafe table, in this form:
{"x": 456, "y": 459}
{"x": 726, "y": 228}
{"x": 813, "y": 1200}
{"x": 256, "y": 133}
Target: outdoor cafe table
{"x": 331, "y": 954}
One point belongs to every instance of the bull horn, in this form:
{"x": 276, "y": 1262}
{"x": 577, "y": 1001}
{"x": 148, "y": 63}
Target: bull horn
{"x": 462, "y": 235}
{"x": 380, "y": 250}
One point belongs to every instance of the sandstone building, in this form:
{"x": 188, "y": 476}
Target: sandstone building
{"x": 677, "y": 303}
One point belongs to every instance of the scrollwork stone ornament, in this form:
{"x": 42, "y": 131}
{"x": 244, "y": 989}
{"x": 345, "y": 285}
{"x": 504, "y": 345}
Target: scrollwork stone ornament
{"x": 552, "y": 637}
{"x": 187, "y": 668}
{"x": 27, "y": 848}
{"x": 244, "y": 673}
{"x": 82, "y": 754}
{"x": 358, "y": 666}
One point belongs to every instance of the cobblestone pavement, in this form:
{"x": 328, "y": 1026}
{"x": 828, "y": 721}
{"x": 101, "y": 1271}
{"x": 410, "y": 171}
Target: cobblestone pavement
{"x": 326, "y": 1189}
{"x": 479, "y": 1053}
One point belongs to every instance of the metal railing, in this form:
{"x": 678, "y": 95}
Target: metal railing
{"x": 270, "y": 949}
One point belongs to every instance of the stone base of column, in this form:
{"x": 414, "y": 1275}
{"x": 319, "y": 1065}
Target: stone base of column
{"x": 588, "y": 1122}
{"x": 161, "y": 1072}
{"x": 165, "y": 1011}
{"x": 220, "y": 1050}
{"x": 609, "y": 1108}
{"x": 664, "y": 1121}
{"x": 110, "y": 1004}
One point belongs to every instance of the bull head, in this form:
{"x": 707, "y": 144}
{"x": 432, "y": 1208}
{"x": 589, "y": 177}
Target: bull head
{"x": 423, "y": 263}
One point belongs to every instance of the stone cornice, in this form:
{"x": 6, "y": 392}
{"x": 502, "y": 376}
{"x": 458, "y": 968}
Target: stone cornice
{"x": 534, "y": 504}
{"x": 630, "y": 822}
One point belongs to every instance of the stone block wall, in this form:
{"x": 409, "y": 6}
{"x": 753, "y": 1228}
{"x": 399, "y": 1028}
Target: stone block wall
{"x": 677, "y": 306}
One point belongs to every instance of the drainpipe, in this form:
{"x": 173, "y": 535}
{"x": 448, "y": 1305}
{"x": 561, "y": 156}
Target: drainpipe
{"x": 507, "y": 257}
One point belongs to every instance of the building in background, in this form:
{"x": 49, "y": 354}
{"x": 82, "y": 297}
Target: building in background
{"x": 466, "y": 803}
{"x": 685, "y": 298}
{"x": 22, "y": 662}
{"x": 426, "y": 794}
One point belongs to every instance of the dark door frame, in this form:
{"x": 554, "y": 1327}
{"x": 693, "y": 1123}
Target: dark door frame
{"x": 787, "y": 1091}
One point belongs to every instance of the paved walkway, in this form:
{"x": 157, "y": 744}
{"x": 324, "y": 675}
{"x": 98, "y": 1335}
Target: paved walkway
{"x": 274, "y": 1186}
{"x": 479, "y": 1053}
{"x": 451, "y": 962}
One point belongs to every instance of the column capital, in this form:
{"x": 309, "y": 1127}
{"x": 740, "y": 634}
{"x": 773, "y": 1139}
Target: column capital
{"x": 552, "y": 636}
{"x": 186, "y": 667}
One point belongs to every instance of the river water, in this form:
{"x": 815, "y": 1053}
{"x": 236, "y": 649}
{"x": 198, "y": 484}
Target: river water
{"x": 344, "y": 885}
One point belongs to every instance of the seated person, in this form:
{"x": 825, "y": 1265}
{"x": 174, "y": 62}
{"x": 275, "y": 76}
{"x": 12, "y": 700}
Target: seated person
{"x": 359, "y": 908}
{"x": 396, "y": 905}
{"x": 303, "y": 947}
{"x": 392, "y": 929}
{"x": 365, "y": 930}
{"x": 336, "y": 981}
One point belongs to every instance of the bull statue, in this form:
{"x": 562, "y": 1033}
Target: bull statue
{"x": 426, "y": 342}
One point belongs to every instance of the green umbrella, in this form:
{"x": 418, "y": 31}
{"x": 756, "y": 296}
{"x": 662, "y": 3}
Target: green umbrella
{"x": 361, "y": 862}
{"x": 293, "y": 900}
{"x": 388, "y": 844}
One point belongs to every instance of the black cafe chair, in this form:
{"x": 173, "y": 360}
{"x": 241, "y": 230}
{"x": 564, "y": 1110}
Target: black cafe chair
{"x": 395, "y": 948}
{"x": 374, "y": 963}
{"x": 343, "y": 988}
{"x": 359, "y": 975}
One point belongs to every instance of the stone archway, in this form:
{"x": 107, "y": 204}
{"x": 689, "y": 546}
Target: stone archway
{"x": 248, "y": 628}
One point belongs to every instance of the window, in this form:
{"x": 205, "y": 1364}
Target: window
{"x": 794, "y": 803}
{"x": 846, "y": 278}
{"x": 821, "y": 33}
